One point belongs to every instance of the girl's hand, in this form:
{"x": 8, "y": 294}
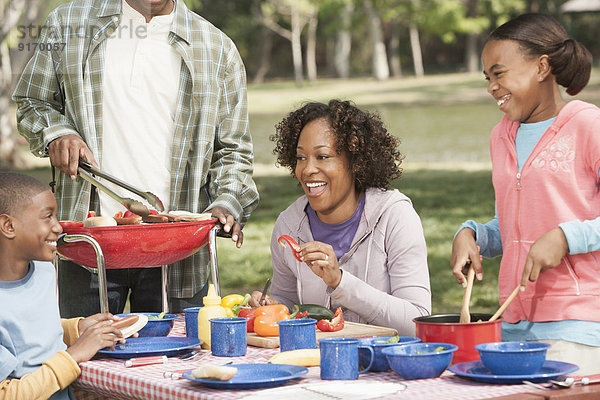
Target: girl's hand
{"x": 255, "y": 298}
{"x": 94, "y": 319}
{"x": 545, "y": 253}
{"x": 98, "y": 336}
{"x": 465, "y": 249}
{"x": 322, "y": 260}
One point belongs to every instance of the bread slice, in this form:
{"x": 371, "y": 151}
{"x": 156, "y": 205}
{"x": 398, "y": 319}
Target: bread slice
{"x": 218, "y": 372}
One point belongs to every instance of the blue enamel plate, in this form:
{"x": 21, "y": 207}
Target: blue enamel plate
{"x": 151, "y": 346}
{"x": 475, "y": 370}
{"x": 253, "y": 376}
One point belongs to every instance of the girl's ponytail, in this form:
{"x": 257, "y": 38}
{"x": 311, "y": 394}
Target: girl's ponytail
{"x": 571, "y": 64}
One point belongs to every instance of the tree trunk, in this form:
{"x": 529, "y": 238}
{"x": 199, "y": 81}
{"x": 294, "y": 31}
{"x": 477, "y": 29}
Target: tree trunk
{"x": 311, "y": 47}
{"x": 264, "y": 62}
{"x": 394, "y": 49}
{"x": 343, "y": 43}
{"x": 381, "y": 70}
{"x": 415, "y": 46}
{"x": 297, "y": 46}
{"x": 471, "y": 51}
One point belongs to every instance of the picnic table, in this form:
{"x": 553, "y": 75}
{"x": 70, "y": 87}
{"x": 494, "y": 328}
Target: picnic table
{"x": 108, "y": 378}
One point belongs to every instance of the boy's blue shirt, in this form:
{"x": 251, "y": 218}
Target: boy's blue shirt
{"x": 30, "y": 324}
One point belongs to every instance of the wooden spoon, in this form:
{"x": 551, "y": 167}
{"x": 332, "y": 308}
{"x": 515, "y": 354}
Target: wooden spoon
{"x": 510, "y": 298}
{"x": 465, "y": 314}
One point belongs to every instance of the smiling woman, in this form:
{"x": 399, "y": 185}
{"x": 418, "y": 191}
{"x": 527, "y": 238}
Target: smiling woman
{"x": 361, "y": 246}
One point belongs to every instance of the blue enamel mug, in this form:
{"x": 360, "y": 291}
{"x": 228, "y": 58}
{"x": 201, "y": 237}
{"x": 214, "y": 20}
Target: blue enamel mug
{"x": 228, "y": 337}
{"x": 297, "y": 334}
{"x": 339, "y": 358}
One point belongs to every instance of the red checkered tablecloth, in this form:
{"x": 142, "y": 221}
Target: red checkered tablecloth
{"x": 103, "y": 378}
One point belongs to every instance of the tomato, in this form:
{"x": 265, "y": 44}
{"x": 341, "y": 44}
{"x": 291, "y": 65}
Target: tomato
{"x": 129, "y": 214}
{"x": 70, "y": 224}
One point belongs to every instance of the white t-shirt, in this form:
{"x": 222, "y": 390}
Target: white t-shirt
{"x": 140, "y": 89}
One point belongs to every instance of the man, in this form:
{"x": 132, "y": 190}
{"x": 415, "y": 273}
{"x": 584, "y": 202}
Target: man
{"x": 155, "y": 95}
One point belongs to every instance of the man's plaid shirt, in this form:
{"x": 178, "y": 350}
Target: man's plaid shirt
{"x": 60, "y": 93}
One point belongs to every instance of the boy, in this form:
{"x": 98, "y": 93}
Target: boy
{"x": 34, "y": 360}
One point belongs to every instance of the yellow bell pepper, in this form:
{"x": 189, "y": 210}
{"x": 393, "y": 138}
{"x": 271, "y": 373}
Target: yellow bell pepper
{"x": 229, "y": 301}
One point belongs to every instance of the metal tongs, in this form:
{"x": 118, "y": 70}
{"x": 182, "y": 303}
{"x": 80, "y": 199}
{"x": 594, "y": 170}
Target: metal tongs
{"x": 87, "y": 172}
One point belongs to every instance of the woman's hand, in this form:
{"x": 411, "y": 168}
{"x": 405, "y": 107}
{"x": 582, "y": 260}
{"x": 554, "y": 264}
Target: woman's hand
{"x": 255, "y": 298}
{"x": 465, "y": 249}
{"x": 545, "y": 253}
{"x": 322, "y": 260}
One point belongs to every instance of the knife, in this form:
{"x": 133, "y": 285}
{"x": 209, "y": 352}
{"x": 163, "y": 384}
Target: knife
{"x": 263, "y": 297}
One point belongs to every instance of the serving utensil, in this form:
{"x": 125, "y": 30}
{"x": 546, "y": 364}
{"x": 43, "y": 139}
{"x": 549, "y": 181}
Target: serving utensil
{"x": 504, "y": 305}
{"x": 465, "y": 314}
{"x": 87, "y": 171}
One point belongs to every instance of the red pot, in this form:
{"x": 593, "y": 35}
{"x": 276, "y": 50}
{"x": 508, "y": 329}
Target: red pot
{"x": 445, "y": 328}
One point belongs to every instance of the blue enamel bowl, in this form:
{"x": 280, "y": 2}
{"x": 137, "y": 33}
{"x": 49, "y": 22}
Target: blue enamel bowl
{"x": 420, "y": 360}
{"x": 513, "y": 358}
{"x": 155, "y": 326}
{"x": 380, "y": 363}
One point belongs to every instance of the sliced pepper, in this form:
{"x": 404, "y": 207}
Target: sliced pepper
{"x": 293, "y": 245}
{"x": 229, "y": 301}
{"x": 266, "y": 318}
{"x": 236, "y": 308}
{"x": 247, "y": 312}
{"x": 336, "y": 323}
{"x": 297, "y": 314}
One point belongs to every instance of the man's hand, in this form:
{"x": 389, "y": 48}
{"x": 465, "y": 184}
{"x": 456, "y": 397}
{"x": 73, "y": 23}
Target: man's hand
{"x": 229, "y": 224}
{"x": 545, "y": 253}
{"x": 66, "y": 151}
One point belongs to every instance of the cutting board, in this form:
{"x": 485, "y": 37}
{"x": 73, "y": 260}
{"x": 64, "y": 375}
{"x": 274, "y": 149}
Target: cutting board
{"x": 351, "y": 329}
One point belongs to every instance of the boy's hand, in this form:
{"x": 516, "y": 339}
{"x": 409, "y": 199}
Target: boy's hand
{"x": 98, "y": 336}
{"x": 465, "y": 249}
{"x": 94, "y": 319}
{"x": 545, "y": 253}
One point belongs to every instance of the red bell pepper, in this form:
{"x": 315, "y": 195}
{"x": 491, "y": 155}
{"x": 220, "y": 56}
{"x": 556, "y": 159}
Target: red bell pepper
{"x": 247, "y": 312}
{"x": 296, "y": 314}
{"x": 336, "y": 323}
{"x": 129, "y": 214}
{"x": 293, "y": 245}
{"x": 70, "y": 224}
{"x": 91, "y": 214}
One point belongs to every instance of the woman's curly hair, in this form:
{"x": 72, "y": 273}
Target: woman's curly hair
{"x": 373, "y": 152}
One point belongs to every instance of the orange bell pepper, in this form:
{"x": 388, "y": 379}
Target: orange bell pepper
{"x": 266, "y": 318}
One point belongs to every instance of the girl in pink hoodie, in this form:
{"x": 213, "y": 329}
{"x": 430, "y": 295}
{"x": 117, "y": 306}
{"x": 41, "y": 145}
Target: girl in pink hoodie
{"x": 546, "y": 164}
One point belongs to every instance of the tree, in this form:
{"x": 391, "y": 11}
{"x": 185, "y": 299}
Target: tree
{"x": 381, "y": 69}
{"x": 295, "y": 14}
{"x": 13, "y": 13}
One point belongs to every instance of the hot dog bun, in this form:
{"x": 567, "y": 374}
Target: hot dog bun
{"x": 99, "y": 221}
{"x": 219, "y": 372}
{"x": 133, "y": 327}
